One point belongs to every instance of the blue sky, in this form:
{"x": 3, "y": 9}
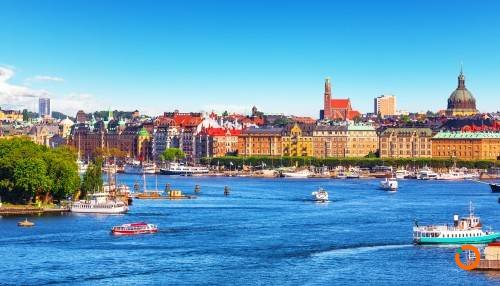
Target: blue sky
{"x": 203, "y": 55}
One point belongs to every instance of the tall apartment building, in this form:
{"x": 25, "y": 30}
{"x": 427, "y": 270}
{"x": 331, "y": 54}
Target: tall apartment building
{"x": 43, "y": 107}
{"x": 361, "y": 140}
{"x": 385, "y": 105}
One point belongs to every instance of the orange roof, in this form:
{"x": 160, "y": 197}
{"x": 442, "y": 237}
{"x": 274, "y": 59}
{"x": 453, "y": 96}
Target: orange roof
{"x": 221, "y": 132}
{"x": 353, "y": 114}
{"x": 186, "y": 120}
{"x": 340, "y": 103}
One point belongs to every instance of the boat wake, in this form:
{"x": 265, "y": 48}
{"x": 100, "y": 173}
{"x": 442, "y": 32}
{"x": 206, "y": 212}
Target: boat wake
{"x": 354, "y": 250}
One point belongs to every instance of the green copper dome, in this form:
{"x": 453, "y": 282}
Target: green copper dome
{"x": 143, "y": 132}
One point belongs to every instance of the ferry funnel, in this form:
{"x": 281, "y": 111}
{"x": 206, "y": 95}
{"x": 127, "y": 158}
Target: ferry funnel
{"x": 455, "y": 220}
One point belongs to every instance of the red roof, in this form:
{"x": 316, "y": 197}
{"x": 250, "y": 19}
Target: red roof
{"x": 340, "y": 103}
{"x": 353, "y": 114}
{"x": 221, "y": 132}
{"x": 186, "y": 120}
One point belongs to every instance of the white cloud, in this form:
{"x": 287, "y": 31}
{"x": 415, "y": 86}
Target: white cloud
{"x": 48, "y": 78}
{"x": 17, "y": 96}
{"x": 71, "y": 103}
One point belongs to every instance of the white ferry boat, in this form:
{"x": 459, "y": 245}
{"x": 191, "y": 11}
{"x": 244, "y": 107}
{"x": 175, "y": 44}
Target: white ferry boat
{"x": 426, "y": 173}
{"x": 466, "y": 230}
{"x": 320, "y": 196}
{"x": 137, "y": 168}
{"x": 181, "y": 169}
{"x": 451, "y": 176}
{"x": 100, "y": 203}
{"x": 389, "y": 184}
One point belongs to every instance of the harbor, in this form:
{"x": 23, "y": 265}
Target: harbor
{"x": 269, "y": 227}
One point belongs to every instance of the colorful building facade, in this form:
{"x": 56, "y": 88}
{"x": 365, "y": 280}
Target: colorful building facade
{"x": 405, "y": 143}
{"x": 466, "y": 145}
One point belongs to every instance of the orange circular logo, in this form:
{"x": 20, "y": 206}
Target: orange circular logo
{"x": 470, "y": 265}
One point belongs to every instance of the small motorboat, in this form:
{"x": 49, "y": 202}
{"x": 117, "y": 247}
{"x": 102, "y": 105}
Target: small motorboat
{"x": 134, "y": 228}
{"x": 320, "y": 196}
{"x": 495, "y": 188}
{"x": 26, "y": 223}
{"x": 389, "y": 184}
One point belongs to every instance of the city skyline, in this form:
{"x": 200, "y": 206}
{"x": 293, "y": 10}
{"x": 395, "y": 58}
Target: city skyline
{"x": 194, "y": 57}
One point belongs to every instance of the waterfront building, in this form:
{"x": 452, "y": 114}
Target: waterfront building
{"x": 143, "y": 144}
{"x": 362, "y": 140}
{"x": 11, "y": 115}
{"x": 398, "y": 142}
{"x": 466, "y": 145}
{"x": 44, "y": 107}
{"x": 266, "y": 141}
{"x": 336, "y": 109}
{"x": 461, "y": 102}
{"x": 329, "y": 141}
{"x": 164, "y": 137}
{"x": 216, "y": 142}
{"x": 297, "y": 140}
{"x": 385, "y": 105}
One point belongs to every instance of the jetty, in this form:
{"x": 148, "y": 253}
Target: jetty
{"x": 30, "y": 210}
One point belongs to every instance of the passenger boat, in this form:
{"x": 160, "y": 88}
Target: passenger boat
{"x": 389, "y": 184}
{"x": 184, "y": 170}
{"x": 136, "y": 167}
{"x": 426, "y": 173}
{"x": 320, "y": 196}
{"x": 466, "y": 230}
{"x": 495, "y": 188}
{"x": 25, "y": 223}
{"x": 134, "y": 228}
{"x": 101, "y": 203}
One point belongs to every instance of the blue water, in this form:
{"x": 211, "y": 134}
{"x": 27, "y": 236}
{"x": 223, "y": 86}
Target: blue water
{"x": 266, "y": 232}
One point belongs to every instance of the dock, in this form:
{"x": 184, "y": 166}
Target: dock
{"x": 29, "y": 210}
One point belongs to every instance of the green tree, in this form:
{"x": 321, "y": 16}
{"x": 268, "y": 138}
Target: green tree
{"x": 30, "y": 177}
{"x": 92, "y": 179}
{"x": 172, "y": 154}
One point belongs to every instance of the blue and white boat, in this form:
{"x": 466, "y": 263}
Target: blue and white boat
{"x": 467, "y": 230}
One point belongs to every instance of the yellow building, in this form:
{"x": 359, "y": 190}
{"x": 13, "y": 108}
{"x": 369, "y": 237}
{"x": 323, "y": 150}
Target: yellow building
{"x": 329, "y": 141}
{"x": 466, "y": 145}
{"x": 399, "y": 142}
{"x": 11, "y": 115}
{"x": 298, "y": 141}
{"x": 361, "y": 140}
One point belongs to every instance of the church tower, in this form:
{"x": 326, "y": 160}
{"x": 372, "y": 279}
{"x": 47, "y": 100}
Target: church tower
{"x": 327, "y": 110}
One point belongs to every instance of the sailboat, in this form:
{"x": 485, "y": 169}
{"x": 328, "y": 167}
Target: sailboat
{"x": 150, "y": 194}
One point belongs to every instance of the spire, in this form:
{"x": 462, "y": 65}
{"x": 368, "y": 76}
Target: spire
{"x": 328, "y": 85}
{"x": 461, "y": 77}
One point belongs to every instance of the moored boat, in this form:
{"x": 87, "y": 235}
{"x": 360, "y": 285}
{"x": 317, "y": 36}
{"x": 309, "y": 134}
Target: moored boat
{"x": 183, "y": 170}
{"x": 468, "y": 230}
{"x": 426, "y": 173}
{"x": 299, "y": 174}
{"x": 320, "y": 195}
{"x": 134, "y": 228}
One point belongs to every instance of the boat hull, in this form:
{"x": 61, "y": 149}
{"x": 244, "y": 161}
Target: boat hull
{"x": 495, "y": 188}
{"x": 458, "y": 240}
{"x": 116, "y": 210}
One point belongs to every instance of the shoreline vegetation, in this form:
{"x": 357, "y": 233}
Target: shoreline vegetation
{"x": 36, "y": 176}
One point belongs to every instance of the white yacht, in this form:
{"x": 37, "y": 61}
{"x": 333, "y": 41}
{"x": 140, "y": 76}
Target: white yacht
{"x": 389, "y": 184}
{"x": 320, "y": 196}
{"x": 426, "y": 173}
{"x": 402, "y": 174}
{"x": 452, "y": 175}
{"x": 181, "y": 169}
{"x": 299, "y": 174}
{"x": 99, "y": 203}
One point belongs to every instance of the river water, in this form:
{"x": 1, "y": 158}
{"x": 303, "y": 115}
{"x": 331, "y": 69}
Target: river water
{"x": 267, "y": 232}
